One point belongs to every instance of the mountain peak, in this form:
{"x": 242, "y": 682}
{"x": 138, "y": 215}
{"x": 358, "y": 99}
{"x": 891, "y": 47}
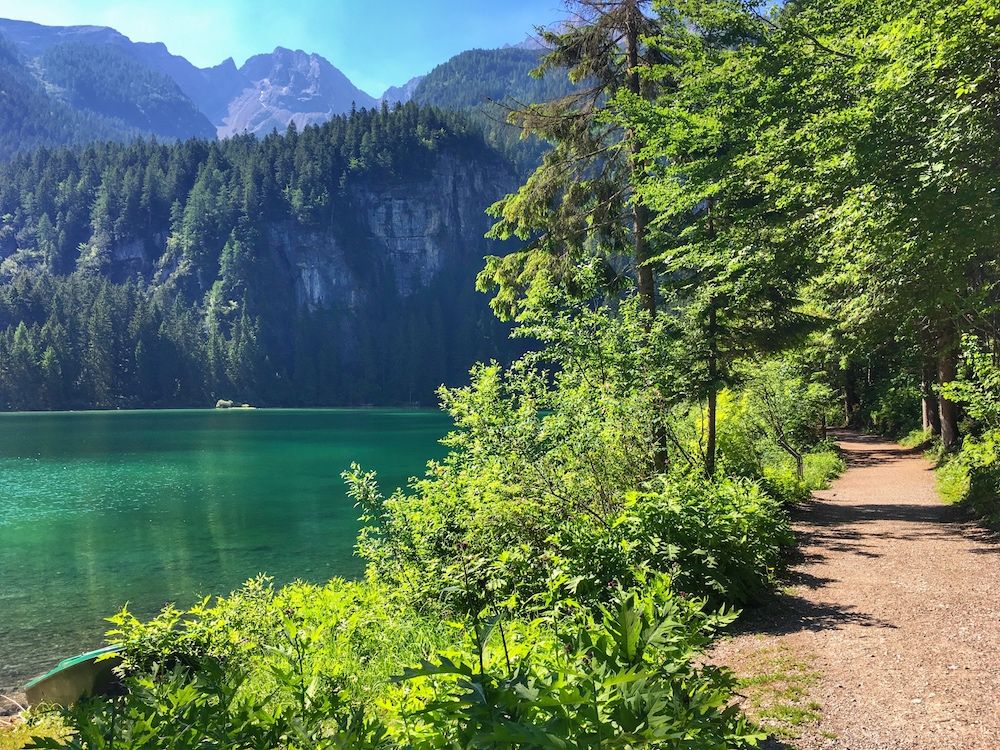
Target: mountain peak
{"x": 530, "y": 42}
{"x": 401, "y": 94}
{"x": 289, "y": 86}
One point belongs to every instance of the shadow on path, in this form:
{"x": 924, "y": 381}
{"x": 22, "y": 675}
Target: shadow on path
{"x": 787, "y": 613}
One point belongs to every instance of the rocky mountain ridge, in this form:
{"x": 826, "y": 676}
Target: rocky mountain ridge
{"x": 268, "y": 92}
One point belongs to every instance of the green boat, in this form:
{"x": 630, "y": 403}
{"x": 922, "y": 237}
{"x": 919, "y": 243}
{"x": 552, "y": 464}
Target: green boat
{"x": 75, "y": 678}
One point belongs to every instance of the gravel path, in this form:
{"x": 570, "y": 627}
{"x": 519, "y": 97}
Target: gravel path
{"x": 895, "y": 604}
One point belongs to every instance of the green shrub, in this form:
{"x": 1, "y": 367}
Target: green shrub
{"x": 567, "y": 673}
{"x": 972, "y": 476}
{"x": 916, "y": 438}
{"x": 620, "y": 675}
{"x": 721, "y": 540}
{"x": 206, "y": 708}
{"x": 350, "y": 637}
{"x": 34, "y": 725}
{"x": 820, "y": 466}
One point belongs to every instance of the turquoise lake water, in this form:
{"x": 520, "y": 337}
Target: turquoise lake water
{"x": 148, "y": 507}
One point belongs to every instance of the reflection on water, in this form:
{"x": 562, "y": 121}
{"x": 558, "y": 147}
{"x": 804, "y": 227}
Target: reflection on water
{"x": 102, "y": 508}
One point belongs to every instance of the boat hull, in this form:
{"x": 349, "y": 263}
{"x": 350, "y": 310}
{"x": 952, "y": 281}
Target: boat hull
{"x": 75, "y": 678}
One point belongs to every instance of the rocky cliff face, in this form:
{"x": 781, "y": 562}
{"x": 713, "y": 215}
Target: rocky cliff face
{"x": 410, "y": 235}
{"x": 392, "y": 241}
{"x": 421, "y": 227}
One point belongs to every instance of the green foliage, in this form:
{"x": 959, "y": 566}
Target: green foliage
{"x": 487, "y": 85}
{"x": 475, "y": 77}
{"x": 972, "y": 477}
{"x": 568, "y": 676}
{"x": 977, "y": 388}
{"x": 721, "y": 540}
{"x": 31, "y": 118}
{"x": 620, "y": 677}
{"x": 551, "y": 469}
{"x": 895, "y": 406}
{"x": 16, "y": 733}
{"x": 205, "y": 709}
{"x": 348, "y": 637}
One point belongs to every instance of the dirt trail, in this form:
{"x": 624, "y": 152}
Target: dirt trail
{"x": 895, "y": 604}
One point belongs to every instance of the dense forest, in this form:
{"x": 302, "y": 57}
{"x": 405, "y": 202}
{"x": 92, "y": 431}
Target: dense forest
{"x": 753, "y": 220}
{"x": 321, "y": 267}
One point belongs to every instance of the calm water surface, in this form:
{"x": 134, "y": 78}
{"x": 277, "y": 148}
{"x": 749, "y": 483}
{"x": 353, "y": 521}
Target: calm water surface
{"x": 147, "y": 507}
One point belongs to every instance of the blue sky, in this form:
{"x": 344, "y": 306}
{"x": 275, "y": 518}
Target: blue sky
{"x": 377, "y": 43}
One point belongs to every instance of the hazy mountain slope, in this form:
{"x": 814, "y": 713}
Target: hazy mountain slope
{"x": 485, "y": 84}
{"x": 142, "y": 87}
{"x": 268, "y": 92}
{"x": 96, "y": 81}
{"x": 106, "y": 80}
{"x": 479, "y": 76}
{"x": 30, "y": 117}
{"x": 210, "y": 88}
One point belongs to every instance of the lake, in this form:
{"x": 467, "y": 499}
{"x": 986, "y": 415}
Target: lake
{"x": 148, "y": 507}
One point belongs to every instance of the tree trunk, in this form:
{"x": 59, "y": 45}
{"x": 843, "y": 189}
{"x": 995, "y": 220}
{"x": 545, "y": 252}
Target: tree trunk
{"x": 713, "y": 394}
{"x": 929, "y": 400}
{"x": 645, "y": 277}
{"x": 800, "y": 465}
{"x": 852, "y": 405}
{"x": 947, "y": 368}
{"x": 713, "y": 403}
{"x": 640, "y": 214}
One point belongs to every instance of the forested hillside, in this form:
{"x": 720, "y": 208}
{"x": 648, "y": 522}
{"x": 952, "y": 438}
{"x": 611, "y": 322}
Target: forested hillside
{"x": 329, "y": 266}
{"x": 472, "y": 78}
{"x": 488, "y": 85}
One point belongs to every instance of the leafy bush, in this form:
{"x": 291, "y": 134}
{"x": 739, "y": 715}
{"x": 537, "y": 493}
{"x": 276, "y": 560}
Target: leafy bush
{"x": 820, "y": 465}
{"x": 916, "y": 438}
{"x": 978, "y": 387}
{"x": 181, "y": 708}
{"x": 569, "y": 676}
{"x": 32, "y": 726}
{"x": 972, "y": 476}
{"x": 622, "y": 674}
{"x": 349, "y": 637}
{"x": 718, "y": 540}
